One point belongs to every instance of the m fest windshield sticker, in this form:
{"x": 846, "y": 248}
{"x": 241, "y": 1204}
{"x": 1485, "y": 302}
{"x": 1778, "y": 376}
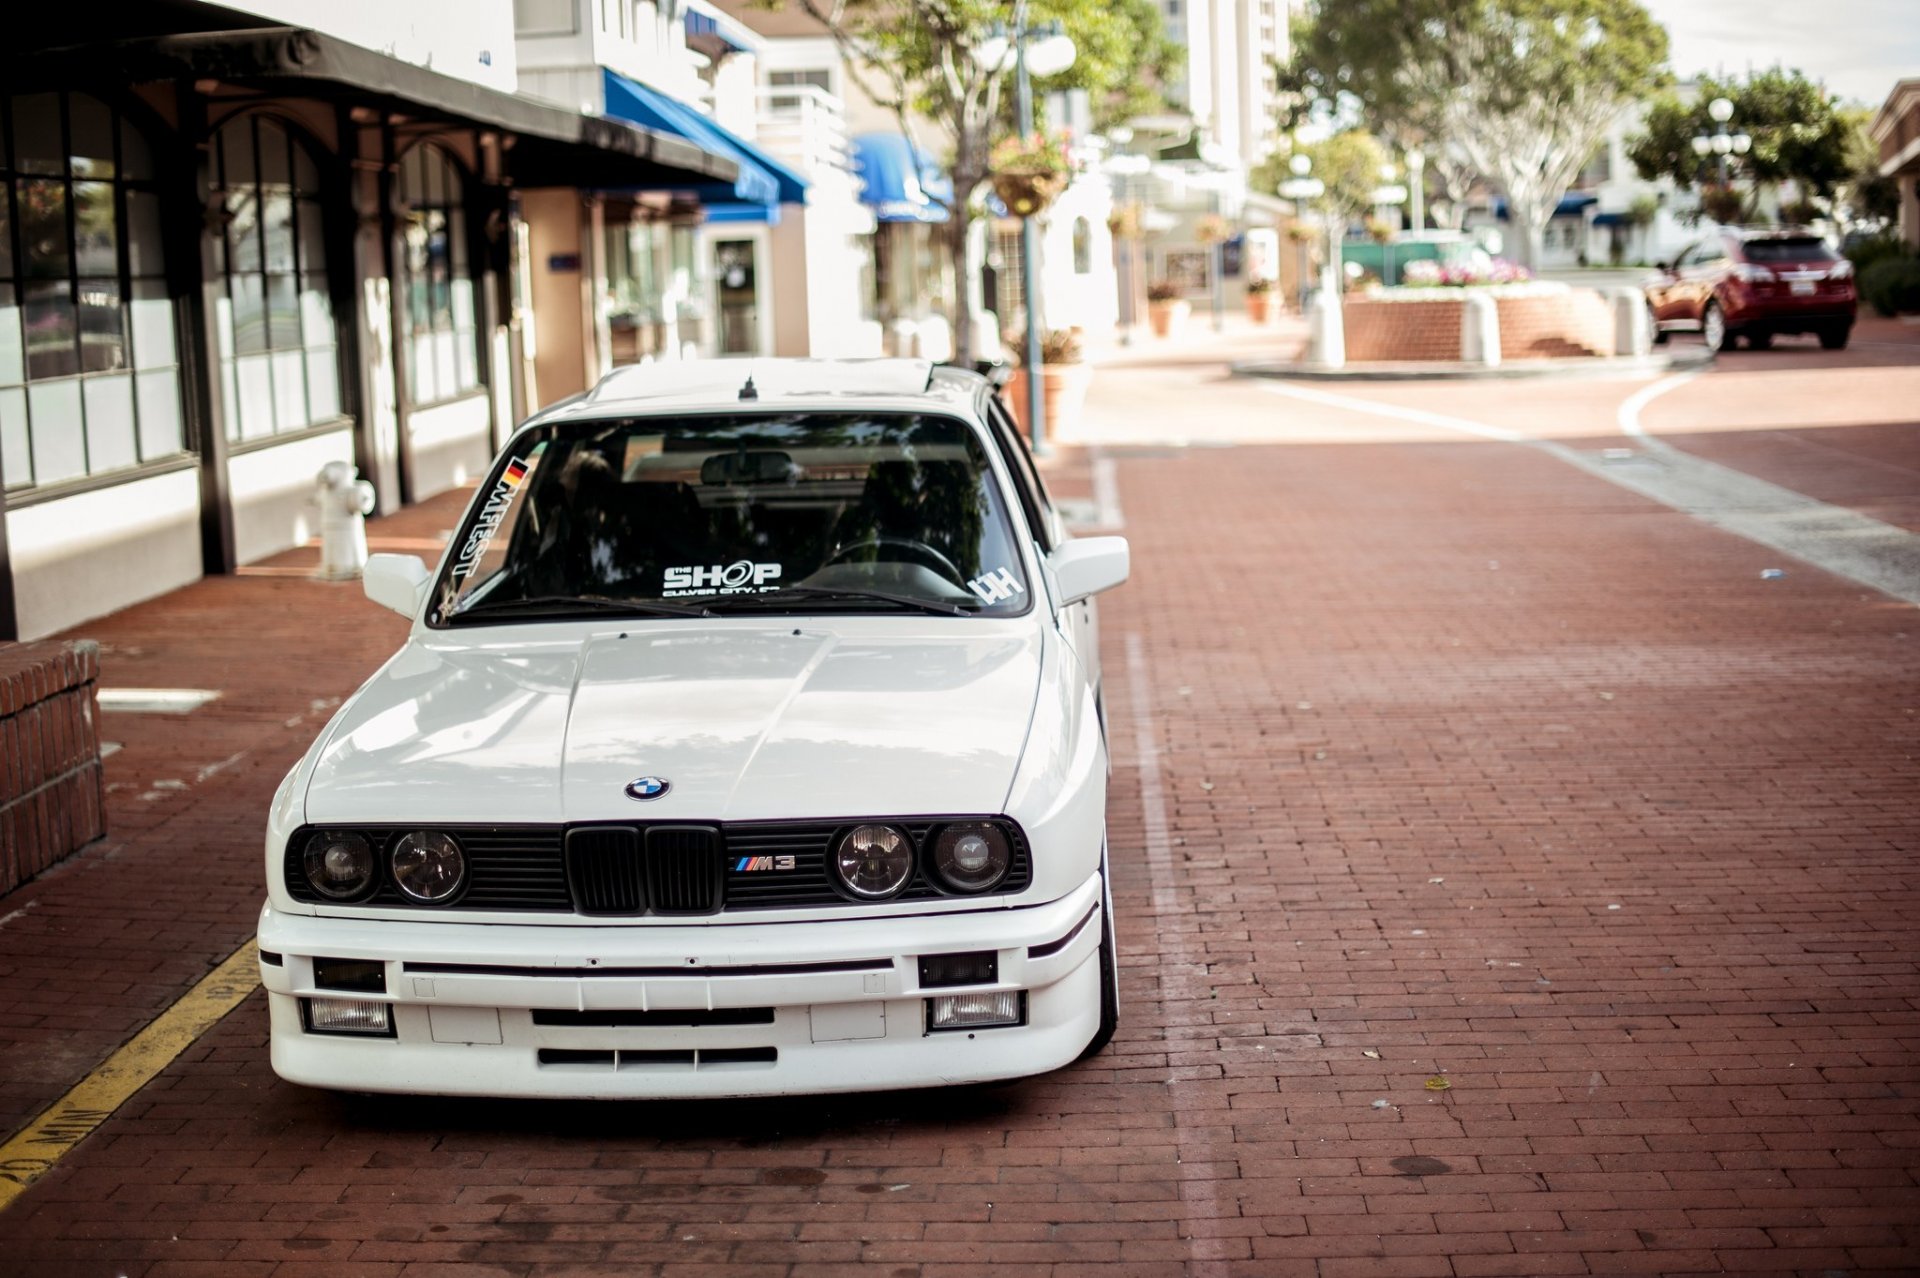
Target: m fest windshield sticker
{"x": 490, "y": 515}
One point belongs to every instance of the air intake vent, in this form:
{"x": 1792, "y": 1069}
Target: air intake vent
{"x": 684, "y": 869}
{"x": 603, "y": 869}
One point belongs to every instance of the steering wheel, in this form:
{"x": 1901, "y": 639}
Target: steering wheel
{"x": 920, "y": 548}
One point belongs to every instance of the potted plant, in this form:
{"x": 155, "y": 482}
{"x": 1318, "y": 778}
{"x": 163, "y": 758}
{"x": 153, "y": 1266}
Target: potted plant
{"x": 1029, "y": 172}
{"x": 1259, "y": 299}
{"x": 1064, "y": 378}
{"x": 1167, "y": 311}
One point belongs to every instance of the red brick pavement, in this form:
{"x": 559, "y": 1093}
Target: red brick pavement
{"x": 1421, "y": 717}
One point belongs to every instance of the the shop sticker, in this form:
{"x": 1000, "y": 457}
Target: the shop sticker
{"x": 490, "y": 516}
{"x": 741, "y": 577}
{"x": 996, "y": 585}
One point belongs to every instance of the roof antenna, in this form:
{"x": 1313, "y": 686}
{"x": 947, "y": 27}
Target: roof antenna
{"x": 748, "y": 391}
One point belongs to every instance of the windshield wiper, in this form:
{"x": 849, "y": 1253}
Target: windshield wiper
{"x": 581, "y": 603}
{"x": 788, "y": 594}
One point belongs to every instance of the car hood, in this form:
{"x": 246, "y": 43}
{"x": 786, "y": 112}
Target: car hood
{"x": 744, "y": 724}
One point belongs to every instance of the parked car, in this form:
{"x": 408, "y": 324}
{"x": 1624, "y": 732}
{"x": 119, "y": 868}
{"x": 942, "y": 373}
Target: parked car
{"x": 747, "y": 741}
{"x": 1755, "y": 283}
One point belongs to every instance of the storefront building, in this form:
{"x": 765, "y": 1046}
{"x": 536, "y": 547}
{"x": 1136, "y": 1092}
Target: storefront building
{"x": 232, "y": 253}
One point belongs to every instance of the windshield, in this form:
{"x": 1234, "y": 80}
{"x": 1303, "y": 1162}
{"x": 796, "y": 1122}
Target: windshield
{"x": 1788, "y": 248}
{"x": 753, "y": 512}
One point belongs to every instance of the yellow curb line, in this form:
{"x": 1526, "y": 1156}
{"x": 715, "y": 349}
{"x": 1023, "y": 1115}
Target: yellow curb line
{"x": 33, "y": 1151}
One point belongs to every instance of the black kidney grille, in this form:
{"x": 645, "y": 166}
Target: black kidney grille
{"x": 683, "y": 869}
{"x": 630, "y": 870}
{"x": 603, "y": 868}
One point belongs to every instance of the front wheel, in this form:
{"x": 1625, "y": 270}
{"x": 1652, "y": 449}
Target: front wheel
{"x": 1834, "y": 336}
{"x": 1713, "y": 328}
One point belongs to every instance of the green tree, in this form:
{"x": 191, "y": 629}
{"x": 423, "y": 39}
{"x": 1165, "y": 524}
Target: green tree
{"x": 919, "y": 58}
{"x": 1523, "y": 90}
{"x": 1799, "y": 133}
{"x": 1348, "y": 163}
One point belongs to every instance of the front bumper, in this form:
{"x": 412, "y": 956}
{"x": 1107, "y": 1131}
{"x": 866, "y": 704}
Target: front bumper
{"x": 829, "y": 1005}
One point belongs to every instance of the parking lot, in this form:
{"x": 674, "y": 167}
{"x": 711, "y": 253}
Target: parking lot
{"x": 1516, "y": 875}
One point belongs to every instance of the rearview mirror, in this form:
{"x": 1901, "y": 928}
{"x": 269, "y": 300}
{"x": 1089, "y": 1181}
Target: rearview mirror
{"x": 398, "y": 582}
{"x": 1089, "y": 565}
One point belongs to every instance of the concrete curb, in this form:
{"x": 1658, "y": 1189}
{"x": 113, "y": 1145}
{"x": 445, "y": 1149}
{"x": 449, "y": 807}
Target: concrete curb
{"x": 1604, "y": 366}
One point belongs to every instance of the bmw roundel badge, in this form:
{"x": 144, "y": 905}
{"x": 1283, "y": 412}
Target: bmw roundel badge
{"x": 644, "y": 788}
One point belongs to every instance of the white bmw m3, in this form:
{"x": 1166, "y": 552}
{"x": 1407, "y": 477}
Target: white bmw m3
{"x": 747, "y": 741}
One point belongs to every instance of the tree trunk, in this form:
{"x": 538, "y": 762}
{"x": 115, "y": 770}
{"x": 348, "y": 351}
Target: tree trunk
{"x": 956, "y": 228}
{"x": 1528, "y": 232}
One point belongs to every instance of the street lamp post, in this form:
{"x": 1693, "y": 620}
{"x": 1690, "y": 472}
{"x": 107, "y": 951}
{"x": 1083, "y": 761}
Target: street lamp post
{"x": 1720, "y": 142}
{"x": 1301, "y": 188}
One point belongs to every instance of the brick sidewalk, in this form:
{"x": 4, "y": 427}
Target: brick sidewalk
{"x": 1447, "y": 761}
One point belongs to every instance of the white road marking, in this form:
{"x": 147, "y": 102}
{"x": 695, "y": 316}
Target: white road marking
{"x": 1182, "y": 968}
{"x": 1832, "y": 538}
{"x": 1106, "y": 492}
{"x": 155, "y": 700}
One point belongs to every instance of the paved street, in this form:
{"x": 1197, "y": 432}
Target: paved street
{"x": 1512, "y": 880}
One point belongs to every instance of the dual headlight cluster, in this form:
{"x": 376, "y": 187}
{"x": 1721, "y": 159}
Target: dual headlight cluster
{"x": 875, "y": 862}
{"x": 426, "y": 865}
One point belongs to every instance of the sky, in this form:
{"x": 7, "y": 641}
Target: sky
{"x": 1858, "y": 48}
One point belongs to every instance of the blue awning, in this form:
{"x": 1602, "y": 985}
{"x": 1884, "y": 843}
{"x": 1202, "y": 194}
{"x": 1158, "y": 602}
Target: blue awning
{"x": 893, "y": 186}
{"x": 1570, "y": 205}
{"x": 763, "y": 180}
{"x": 705, "y": 24}
{"x": 1609, "y": 219}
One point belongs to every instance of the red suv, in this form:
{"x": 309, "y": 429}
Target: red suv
{"x": 1753, "y": 284}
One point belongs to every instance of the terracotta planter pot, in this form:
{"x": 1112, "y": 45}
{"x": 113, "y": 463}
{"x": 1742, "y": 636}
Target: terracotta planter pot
{"x": 1168, "y": 318}
{"x": 1063, "y": 397}
{"x": 1259, "y": 307}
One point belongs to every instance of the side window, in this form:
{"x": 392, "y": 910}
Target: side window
{"x": 1688, "y": 256}
{"x": 1712, "y": 253}
{"x": 1033, "y": 494}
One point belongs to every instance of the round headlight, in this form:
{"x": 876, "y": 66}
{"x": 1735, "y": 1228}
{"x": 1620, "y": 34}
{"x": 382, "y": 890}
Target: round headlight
{"x": 873, "y": 861}
{"x": 429, "y": 866}
{"x": 339, "y": 866}
{"x": 972, "y": 858}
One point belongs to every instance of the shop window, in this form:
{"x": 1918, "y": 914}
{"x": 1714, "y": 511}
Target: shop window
{"x": 89, "y": 369}
{"x": 441, "y": 339}
{"x": 277, "y": 346}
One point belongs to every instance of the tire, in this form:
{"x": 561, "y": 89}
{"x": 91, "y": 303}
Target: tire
{"x": 1713, "y": 329}
{"x": 1834, "y": 336}
{"x": 1760, "y": 341}
{"x": 1109, "y": 969}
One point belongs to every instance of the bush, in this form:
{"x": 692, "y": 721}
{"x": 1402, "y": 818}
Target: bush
{"x": 1892, "y": 285}
{"x": 1876, "y": 248}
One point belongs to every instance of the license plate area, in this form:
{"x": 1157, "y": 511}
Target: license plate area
{"x": 1801, "y": 288}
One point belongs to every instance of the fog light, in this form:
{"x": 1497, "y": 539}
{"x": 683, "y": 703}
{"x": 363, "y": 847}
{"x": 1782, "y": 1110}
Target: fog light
{"x": 348, "y": 1016}
{"x": 974, "y": 1011}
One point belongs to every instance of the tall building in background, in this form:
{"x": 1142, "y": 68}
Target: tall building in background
{"x": 1226, "y": 78}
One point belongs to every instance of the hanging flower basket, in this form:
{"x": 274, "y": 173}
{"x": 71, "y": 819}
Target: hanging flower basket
{"x": 1029, "y": 173}
{"x": 1213, "y": 229}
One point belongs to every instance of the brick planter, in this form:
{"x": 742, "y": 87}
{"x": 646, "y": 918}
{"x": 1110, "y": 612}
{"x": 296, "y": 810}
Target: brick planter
{"x": 1571, "y": 324}
{"x": 51, "y": 791}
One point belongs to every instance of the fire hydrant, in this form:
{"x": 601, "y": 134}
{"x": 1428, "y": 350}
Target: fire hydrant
{"x": 345, "y": 501}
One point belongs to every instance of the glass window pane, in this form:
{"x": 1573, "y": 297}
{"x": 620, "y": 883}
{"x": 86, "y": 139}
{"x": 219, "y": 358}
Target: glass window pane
{"x": 36, "y": 134}
{"x": 6, "y": 232}
{"x": 43, "y": 228}
{"x": 249, "y": 314}
{"x": 13, "y": 353}
{"x": 306, "y": 175}
{"x": 223, "y": 327}
{"x": 110, "y": 436}
{"x": 420, "y": 386}
{"x": 90, "y": 135}
{"x": 462, "y": 303}
{"x": 313, "y": 231}
{"x": 152, "y": 325}
{"x": 316, "y": 312}
{"x": 435, "y": 169}
{"x": 59, "y": 450}
{"x": 243, "y": 232}
{"x": 136, "y": 157}
{"x": 52, "y": 346}
{"x": 16, "y": 454}
{"x": 273, "y": 155}
{"x": 236, "y": 146}
{"x": 161, "y": 434}
{"x": 144, "y": 255}
{"x": 277, "y": 216}
{"x": 445, "y": 369}
{"x": 463, "y": 351}
{"x": 103, "y": 327}
{"x": 323, "y": 383}
{"x": 230, "y": 399}
{"x": 413, "y": 187}
{"x": 289, "y": 389}
{"x": 95, "y": 228}
{"x": 283, "y": 313}
{"x": 255, "y": 378}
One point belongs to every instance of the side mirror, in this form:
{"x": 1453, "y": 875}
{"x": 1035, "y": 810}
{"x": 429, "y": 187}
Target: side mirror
{"x": 1089, "y": 565}
{"x": 1665, "y": 268}
{"x": 398, "y": 582}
